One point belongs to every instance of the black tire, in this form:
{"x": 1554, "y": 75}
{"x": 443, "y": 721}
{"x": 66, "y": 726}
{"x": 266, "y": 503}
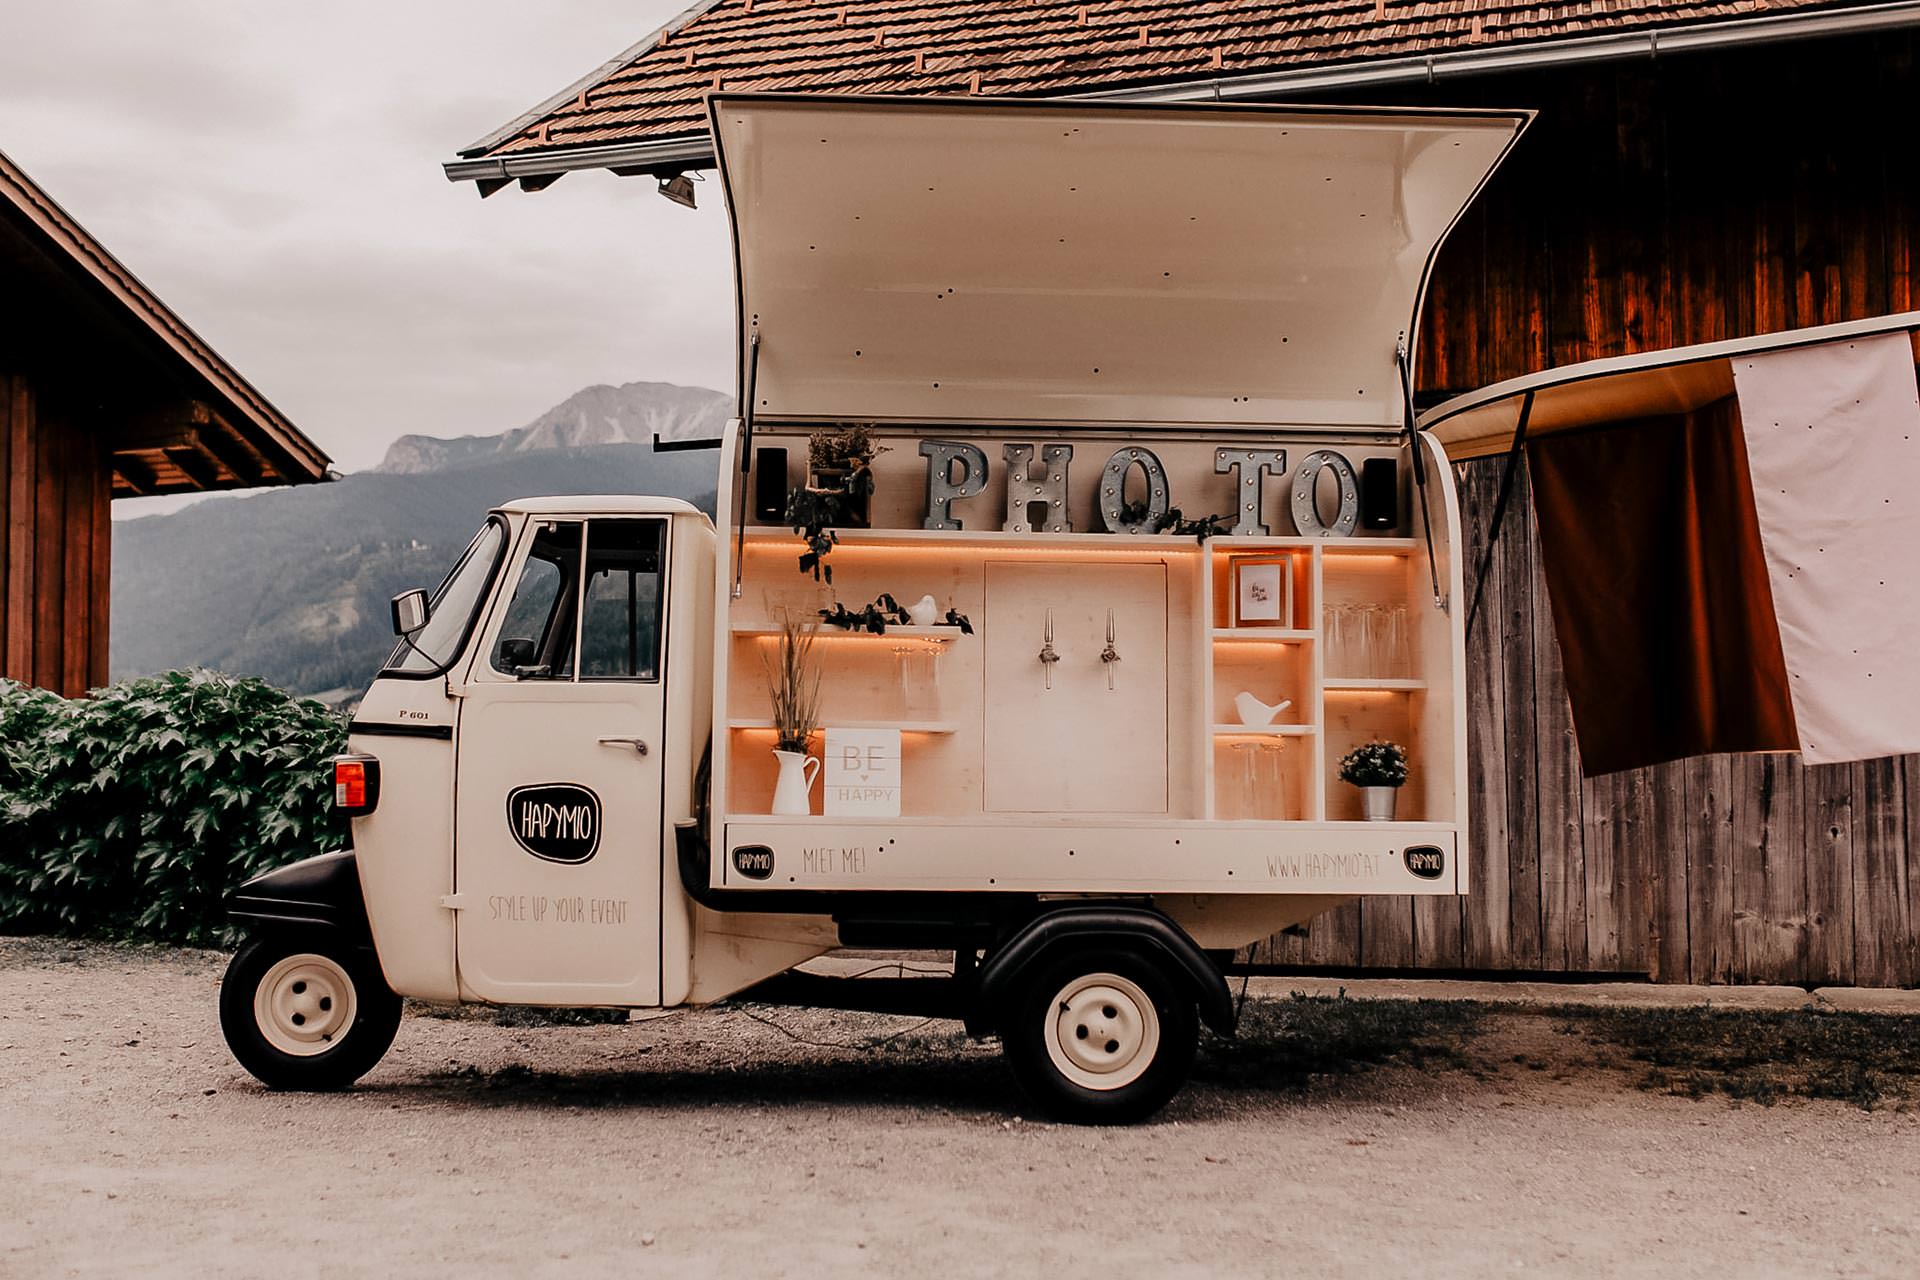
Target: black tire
{"x": 330, "y": 1014}
{"x": 1102, "y": 1088}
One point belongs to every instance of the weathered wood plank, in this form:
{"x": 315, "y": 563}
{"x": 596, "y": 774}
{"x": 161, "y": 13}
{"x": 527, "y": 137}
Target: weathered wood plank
{"x": 1709, "y": 835}
{"x": 18, "y": 664}
{"x": 1910, "y": 770}
{"x": 49, "y": 528}
{"x": 1639, "y": 208}
{"x": 1827, "y": 840}
{"x": 1660, "y": 863}
{"x": 99, "y": 612}
{"x": 76, "y": 605}
{"x": 1769, "y": 886}
{"x": 1514, "y": 562}
{"x": 1881, "y": 873}
{"x": 1333, "y": 940}
{"x": 1487, "y": 932}
{"x": 1609, "y": 807}
{"x": 6, "y": 504}
{"x": 1386, "y": 932}
{"x": 1562, "y": 854}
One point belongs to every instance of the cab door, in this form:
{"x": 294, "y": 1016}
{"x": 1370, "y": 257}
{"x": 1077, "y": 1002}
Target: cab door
{"x": 558, "y": 790}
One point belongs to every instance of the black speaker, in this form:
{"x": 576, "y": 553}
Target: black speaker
{"x": 1379, "y": 493}
{"x": 770, "y": 484}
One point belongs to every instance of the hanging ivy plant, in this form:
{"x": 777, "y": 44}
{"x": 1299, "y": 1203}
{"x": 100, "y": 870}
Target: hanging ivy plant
{"x": 843, "y": 455}
{"x": 813, "y": 513}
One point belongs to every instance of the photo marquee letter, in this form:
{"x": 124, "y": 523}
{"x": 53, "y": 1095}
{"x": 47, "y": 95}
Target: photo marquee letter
{"x": 942, "y": 488}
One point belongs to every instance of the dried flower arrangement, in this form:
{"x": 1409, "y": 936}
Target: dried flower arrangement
{"x": 793, "y": 684}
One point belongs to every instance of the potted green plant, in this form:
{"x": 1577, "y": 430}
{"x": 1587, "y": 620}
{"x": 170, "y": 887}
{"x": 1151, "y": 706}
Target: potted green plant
{"x": 1379, "y": 769}
{"x": 793, "y": 690}
{"x": 840, "y": 462}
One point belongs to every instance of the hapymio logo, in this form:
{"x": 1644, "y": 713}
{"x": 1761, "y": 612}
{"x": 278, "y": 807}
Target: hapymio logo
{"x": 1427, "y": 861}
{"x": 558, "y": 821}
{"x": 754, "y": 861}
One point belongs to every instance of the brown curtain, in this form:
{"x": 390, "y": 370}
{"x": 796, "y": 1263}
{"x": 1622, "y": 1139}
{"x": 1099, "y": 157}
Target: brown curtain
{"x": 1659, "y": 590}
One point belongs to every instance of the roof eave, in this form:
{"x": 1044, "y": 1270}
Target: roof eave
{"x": 696, "y": 150}
{"x": 308, "y": 462}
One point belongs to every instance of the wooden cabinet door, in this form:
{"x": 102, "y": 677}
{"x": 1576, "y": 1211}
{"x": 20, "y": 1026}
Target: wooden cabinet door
{"x": 1079, "y": 746}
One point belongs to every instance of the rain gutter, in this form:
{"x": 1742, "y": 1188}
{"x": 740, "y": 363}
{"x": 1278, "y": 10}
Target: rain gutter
{"x": 665, "y": 155}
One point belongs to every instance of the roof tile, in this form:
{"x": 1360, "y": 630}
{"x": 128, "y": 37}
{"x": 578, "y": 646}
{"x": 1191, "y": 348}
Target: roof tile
{"x": 1044, "y": 47}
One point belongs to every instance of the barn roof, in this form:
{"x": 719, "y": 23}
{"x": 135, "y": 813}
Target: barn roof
{"x": 642, "y": 111}
{"x": 177, "y": 418}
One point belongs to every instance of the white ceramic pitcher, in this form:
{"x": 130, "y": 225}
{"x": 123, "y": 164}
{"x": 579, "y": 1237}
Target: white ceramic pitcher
{"x": 793, "y": 792}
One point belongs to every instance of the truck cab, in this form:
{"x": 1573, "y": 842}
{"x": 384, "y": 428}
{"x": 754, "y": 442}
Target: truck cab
{"x": 1137, "y": 448}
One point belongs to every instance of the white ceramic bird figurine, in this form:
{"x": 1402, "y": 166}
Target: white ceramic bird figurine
{"x": 1255, "y": 713}
{"x": 924, "y": 612}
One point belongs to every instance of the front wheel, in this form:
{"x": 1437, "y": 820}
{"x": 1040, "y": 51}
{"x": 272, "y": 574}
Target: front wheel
{"x": 307, "y": 1010}
{"x": 1101, "y": 1037}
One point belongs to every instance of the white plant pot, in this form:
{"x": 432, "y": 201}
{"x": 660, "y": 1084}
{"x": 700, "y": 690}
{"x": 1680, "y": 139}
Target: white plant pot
{"x": 1377, "y": 802}
{"x": 793, "y": 791}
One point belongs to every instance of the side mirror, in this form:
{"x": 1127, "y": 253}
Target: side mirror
{"x": 515, "y": 653}
{"x": 409, "y": 612}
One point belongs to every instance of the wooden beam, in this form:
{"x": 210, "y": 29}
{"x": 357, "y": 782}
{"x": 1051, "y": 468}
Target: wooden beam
{"x": 158, "y": 426}
{"x": 131, "y": 470}
{"x": 227, "y": 448}
{"x": 196, "y": 463}
{"x": 197, "y": 439}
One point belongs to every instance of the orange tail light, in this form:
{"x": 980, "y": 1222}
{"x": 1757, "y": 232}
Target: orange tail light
{"x": 356, "y": 784}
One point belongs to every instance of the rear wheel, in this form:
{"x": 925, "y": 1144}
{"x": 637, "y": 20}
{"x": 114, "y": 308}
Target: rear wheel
{"x": 1101, "y": 1037}
{"x": 307, "y": 1010}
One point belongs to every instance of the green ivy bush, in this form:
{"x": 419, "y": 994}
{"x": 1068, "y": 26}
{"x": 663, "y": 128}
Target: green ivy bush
{"x": 130, "y": 813}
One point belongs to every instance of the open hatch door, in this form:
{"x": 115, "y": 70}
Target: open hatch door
{"x": 1728, "y": 533}
{"x": 950, "y": 261}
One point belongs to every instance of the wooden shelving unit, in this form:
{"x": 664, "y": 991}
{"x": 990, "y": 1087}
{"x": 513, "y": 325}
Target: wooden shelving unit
{"x": 1210, "y": 660}
{"x": 1263, "y": 731}
{"x": 939, "y": 635}
{"x": 1362, "y": 684}
{"x": 904, "y": 726}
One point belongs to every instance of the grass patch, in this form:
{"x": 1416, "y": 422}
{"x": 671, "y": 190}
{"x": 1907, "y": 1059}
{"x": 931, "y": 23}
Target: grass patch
{"x": 1762, "y": 1056}
{"x": 1285, "y": 1042}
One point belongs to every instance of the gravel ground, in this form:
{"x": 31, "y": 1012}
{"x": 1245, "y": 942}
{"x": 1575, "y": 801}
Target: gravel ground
{"x": 718, "y": 1142}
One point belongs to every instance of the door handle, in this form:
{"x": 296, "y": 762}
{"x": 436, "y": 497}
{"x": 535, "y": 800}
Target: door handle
{"x": 638, "y": 744}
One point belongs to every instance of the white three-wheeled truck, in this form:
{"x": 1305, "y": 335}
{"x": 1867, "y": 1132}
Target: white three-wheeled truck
{"x": 1073, "y": 330}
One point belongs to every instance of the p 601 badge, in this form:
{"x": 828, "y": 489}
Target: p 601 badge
{"x": 557, "y": 821}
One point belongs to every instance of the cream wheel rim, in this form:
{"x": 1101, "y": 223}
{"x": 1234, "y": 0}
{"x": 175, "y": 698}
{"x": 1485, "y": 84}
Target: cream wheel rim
{"x": 1102, "y": 1031}
{"x": 304, "y": 1004}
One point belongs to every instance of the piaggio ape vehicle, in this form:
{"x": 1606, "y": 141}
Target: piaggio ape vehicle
{"x": 1104, "y": 749}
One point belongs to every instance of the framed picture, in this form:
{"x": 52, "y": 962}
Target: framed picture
{"x": 1263, "y": 592}
{"x": 860, "y": 775}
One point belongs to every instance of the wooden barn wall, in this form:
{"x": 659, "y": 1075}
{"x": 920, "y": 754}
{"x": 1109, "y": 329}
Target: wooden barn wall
{"x": 54, "y": 517}
{"x": 1656, "y": 204}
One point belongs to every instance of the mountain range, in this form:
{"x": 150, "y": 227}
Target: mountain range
{"x": 292, "y": 584}
{"x": 636, "y": 413}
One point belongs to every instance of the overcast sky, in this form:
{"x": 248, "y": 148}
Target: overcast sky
{"x": 273, "y": 172}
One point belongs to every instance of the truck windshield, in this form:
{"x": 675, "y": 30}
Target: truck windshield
{"x": 451, "y": 613}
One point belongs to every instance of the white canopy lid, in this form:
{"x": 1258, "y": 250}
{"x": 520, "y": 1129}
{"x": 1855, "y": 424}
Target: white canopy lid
{"x": 942, "y": 260}
{"x": 1621, "y": 388}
